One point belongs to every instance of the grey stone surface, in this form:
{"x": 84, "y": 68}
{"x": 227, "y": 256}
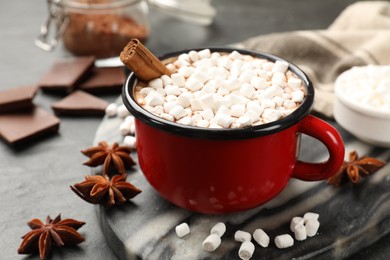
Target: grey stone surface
{"x": 35, "y": 179}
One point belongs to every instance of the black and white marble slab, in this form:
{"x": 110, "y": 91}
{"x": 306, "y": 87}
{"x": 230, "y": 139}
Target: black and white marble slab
{"x": 352, "y": 218}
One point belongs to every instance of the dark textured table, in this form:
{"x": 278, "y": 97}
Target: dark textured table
{"x": 35, "y": 178}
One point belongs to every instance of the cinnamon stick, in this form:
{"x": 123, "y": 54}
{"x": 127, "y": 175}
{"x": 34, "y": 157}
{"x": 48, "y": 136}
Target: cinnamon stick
{"x": 142, "y": 62}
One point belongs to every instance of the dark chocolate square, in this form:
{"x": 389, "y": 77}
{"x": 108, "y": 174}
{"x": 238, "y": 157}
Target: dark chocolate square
{"x": 104, "y": 80}
{"x": 20, "y": 127}
{"x": 80, "y": 103}
{"x": 16, "y": 99}
{"x": 65, "y": 74}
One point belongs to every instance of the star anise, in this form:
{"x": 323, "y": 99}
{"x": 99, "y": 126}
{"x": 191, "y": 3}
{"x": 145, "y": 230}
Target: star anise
{"x": 117, "y": 156}
{"x": 355, "y": 169}
{"x": 101, "y": 190}
{"x": 41, "y": 237}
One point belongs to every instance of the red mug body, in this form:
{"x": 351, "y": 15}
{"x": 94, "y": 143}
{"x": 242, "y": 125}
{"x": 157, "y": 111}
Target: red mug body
{"x": 227, "y": 170}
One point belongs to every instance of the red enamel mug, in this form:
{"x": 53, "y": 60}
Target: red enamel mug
{"x": 226, "y": 170}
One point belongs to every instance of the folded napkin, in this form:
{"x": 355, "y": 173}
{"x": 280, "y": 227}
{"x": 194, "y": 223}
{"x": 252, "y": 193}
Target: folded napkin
{"x": 359, "y": 36}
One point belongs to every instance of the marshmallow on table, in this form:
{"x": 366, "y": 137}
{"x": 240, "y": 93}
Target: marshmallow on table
{"x": 130, "y": 142}
{"x": 111, "y": 110}
{"x": 261, "y": 237}
{"x": 246, "y": 250}
{"x": 218, "y": 229}
{"x": 211, "y": 243}
{"x": 310, "y": 215}
{"x": 182, "y": 230}
{"x": 242, "y": 236}
{"x": 312, "y": 227}
{"x": 296, "y": 221}
{"x": 284, "y": 241}
{"x": 122, "y": 111}
{"x": 300, "y": 232}
{"x": 126, "y": 128}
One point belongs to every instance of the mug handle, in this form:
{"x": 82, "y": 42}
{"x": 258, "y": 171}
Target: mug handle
{"x": 329, "y": 136}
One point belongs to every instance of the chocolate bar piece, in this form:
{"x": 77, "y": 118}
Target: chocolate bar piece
{"x": 65, "y": 74}
{"x": 20, "y": 127}
{"x": 104, "y": 80}
{"x": 80, "y": 103}
{"x": 17, "y": 99}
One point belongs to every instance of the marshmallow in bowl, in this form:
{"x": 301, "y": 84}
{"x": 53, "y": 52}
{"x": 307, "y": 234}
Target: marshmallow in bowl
{"x": 367, "y": 86}
{"x": 239, "y": 84}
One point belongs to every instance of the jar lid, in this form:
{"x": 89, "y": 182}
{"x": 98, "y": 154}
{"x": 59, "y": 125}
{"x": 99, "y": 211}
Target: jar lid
{"x": 197, "y": 11}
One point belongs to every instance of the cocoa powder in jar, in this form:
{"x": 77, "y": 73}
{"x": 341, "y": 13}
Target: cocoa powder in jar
{"x": 101, "y": 34}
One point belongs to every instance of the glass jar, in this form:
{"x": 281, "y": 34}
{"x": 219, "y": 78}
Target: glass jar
{"x": 94, "y": 27}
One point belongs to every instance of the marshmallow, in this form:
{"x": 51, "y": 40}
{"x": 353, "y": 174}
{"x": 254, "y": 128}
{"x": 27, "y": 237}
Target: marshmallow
{"x": 312, "y": 227}
{"x": 184, "y": 56}
{"x": 207, "y": 114}
{"x": 232, "y": 84}
{"x": 187, "y": 120}
{"x": 193, "y": 84}
{"x": 278, "y": 101}
{"x": 206, "y": 53}
{"x": 296, "y": 221}
{"x": 247, "y": 90}
{"x": 178, "y": 112}
{"x": 186, "y": 71}
{"x": 184, "y": 99}
{"x": 182, "y": 230}
{"x": 203, "y": 123}
{"x": 289, "y": 104}
{"x": 193, "y": 55}
{"x": 278, "y": 78}
{"x": 145, "y": 91}
{"x": 235, "y": 55}
{"x": 170, "y": 98}
{"x": 172, "y": 90}
{"x": 271, "y": 114}
{"x": 196, "y": 105}
{"x": 300, "y": 232}
{"x": 224, "y": 110}
{"x": 125, "y": 128}
{"x": 224, "y": 120}
{"x": 154, "y": 99}
{"x": 196, "y": 118}
{"x": 157, "y": 83}
{"x": 178, "y": 79}
{"x": 297, "y": 96}
{"x": 244, "y": 121}
{"x": 294, "y": 83}
{"x": 207, "y": 101}
{"x": 111, "y": 110}
{"x": 259, "y": 83}
{"x": 242, "y": 236}
{"x": 284, "y": 241}
{"x": 171, "y": 67}
{"x": 271, "y": 91}
{"x": 169, "y": 105}
{"x": 255, "y": 107}
{"x": 209, "y": 88}
{"x": 246, "y": 250}
{"x": 218, "y": 229}
{"x": 261, "y": 237}
{"x": 280, "y": 66}
{"x": 310, "y": 215}
{"x": 237, "y": 110}
{"x": 122, "y": 111}
{"x": 211, "y": 243}
{"x": 130, "y": 142}
{"x": 167, "y": 117}
{"x": 223, "y": 91}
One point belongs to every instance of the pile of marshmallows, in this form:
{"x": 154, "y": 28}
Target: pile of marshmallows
{"x": 222, "y": 90}
{"x": 127, "y": 127}
{"x": 302, "y": 227}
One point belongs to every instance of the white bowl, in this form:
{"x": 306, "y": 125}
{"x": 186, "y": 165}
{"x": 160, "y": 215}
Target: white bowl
{"x": 368, "y": 123}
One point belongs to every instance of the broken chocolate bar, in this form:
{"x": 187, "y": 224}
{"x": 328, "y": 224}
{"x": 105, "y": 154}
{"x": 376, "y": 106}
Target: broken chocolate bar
{"x": 65, "y": 74}
{"x": 16, "y": 99}
{"x": 20, "y": 127}
{"x": 80, "y": 103}
{"x": 104, "y": 80}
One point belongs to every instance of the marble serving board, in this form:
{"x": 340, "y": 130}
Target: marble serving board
{"x": 352, "y": 217}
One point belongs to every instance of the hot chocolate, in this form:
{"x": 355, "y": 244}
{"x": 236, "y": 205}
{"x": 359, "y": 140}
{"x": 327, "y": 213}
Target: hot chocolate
{"x": 222, "y": 90}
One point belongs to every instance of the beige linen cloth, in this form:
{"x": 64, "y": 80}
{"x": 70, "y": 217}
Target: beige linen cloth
{"x": 359, "y": 36}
